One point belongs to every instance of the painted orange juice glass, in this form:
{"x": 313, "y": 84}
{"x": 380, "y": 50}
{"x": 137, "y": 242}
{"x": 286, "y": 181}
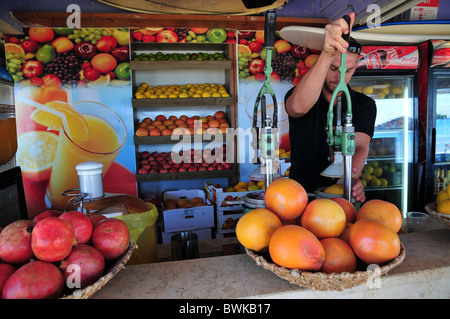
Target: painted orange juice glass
{"x": 8, "y": 135}
{"x": 105, "y": 136}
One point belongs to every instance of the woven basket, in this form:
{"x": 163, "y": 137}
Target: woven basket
{"x": 326, "y": 282}
{"x": 443, "y": 218}
{"x": 88, "y": 291}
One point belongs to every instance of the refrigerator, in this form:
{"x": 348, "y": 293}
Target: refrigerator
{"x": 389, "y": 76}
{"x": 438, "y": 121}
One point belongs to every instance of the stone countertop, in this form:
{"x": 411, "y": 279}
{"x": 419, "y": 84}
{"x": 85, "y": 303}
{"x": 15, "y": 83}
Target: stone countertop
{"x": 425, "y": 273}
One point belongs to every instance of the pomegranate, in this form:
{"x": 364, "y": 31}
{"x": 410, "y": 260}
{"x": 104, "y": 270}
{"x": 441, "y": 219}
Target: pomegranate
{"x": 34, "y": 280}
{"x": 15, "y": 242}
{"x": 111, "y": 237}
{"x": 47, "y": 213}
{"x": 91, "y": 266}
{"x": 96, "y": 218}
{"x": 81, "y": 224}
{"x": 52, "y": 239}
{"x": 6, "y": 270}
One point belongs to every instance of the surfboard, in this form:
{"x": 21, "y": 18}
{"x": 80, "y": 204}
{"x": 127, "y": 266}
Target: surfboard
{"x": 435, "y": 27}
{"x": 223, "y": 7}
{"x": 312, "y": 37}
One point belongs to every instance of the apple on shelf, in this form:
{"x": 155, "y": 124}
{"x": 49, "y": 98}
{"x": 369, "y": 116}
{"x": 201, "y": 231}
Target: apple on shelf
{"x": 183, "y": 125}
{"x": 183, "y": 161}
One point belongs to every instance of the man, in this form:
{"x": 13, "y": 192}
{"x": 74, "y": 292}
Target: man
{"x": 307, "y": 105}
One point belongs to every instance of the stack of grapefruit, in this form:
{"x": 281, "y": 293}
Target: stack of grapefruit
{"x": 324, "y": 235}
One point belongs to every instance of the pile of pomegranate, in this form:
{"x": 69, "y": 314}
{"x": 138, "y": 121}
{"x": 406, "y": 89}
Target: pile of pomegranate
{"x": 56, "y": 253}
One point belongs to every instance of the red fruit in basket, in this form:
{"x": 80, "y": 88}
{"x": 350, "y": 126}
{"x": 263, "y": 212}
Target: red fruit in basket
{"x": 96, "y": 218}
{"x": 111, "y": 237}
{"x": 373, "y": 242}
{"x": 52, "y": 239}
{"x": 34, "y": 280}
{"x": 15, "y": 242}
{"x": 82, "y": 225}
{"x": 286, "y": 198}
{"x": 339, "y": 256}
{"x": 84, "y": 266}
{"x": 47, "y": 213}
{"x": 6, "y": 271}
{"x": 292, "y": 246}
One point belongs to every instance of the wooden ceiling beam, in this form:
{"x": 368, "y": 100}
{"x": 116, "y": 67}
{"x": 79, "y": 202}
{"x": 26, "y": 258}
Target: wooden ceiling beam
{"x": 142, "y": 20}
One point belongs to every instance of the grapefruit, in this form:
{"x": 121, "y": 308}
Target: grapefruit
{"x": 373, "y": 242}
{"x": 324, "y": 218}
{"x": 293, "y": 246}
{"x": 286, "y": 198}
{"x": 381, "y": 211}
{"x": 256, "y": 227}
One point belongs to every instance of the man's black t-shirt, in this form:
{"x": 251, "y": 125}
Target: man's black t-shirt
{"x": 308, "y": 137}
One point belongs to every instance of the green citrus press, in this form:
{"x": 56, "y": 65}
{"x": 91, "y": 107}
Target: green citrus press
{"x": 341, "y": 137}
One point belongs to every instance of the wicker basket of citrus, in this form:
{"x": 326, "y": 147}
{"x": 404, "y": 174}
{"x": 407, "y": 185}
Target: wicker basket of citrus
{"x": 440, "y": 210}
{"x": 321, "y": 245}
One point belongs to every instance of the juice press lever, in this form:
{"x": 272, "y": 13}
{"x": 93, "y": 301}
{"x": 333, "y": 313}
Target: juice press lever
{"x": 342, "y": 137}
{"x": 266, "y": 137}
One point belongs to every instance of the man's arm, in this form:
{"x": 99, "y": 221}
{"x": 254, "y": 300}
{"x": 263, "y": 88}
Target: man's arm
{"x": 308, "y": 90}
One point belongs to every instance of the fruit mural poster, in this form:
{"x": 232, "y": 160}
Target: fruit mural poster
{"x": 73, "y": 104}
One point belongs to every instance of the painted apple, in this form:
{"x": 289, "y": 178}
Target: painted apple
{"x": 255, "y": 46}
{"x": 29, "y": 45}
{"x": 216, "y": 35}
{"x": 256, "y": 66}
{"x": 106, "y": 43}
{"x": 121, "y": 53}
{"x": 166, "y": 36}
{"x": 32, "y": 68}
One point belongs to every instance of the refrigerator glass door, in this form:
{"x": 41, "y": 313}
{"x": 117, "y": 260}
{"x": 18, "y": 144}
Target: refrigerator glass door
{"x": 387, "y": 174}
{"x": 442, "y": 141}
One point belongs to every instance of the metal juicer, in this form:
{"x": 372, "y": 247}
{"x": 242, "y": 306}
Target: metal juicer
{"x": 342, "y": 138}
{"x": 267, "y": 137}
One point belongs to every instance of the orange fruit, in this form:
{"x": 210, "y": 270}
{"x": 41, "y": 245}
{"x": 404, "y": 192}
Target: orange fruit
{"x": 324, "y": 218}
{"x": 373, "y": 242}
{"x": 14, "y": 48}
{"x": 199, "y": 30}
{"x": 381, "y": 211}
{"x": 339, "y": 256}
{"x": 56, "y": 114}
{"x": 311, "y": 60}
{"x": 293, "y": 246}
{"x": 442, "y": 195}
{"x": 36, "y": 153}
{"x": 345, "y": 236}
{"x": 255, "y": 229}
{"x": 349, "y": 209}
{"x": 444, "y": 207}
{"x": 104, "y": 62}
{"x": 286, "y": 198}
{"x": 42, "y": 35}
{"x": 336, "y": 189}
{"x": 242, "y": 48}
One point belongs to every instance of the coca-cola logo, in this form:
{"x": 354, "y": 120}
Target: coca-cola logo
{"x": 409, "y": 60}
